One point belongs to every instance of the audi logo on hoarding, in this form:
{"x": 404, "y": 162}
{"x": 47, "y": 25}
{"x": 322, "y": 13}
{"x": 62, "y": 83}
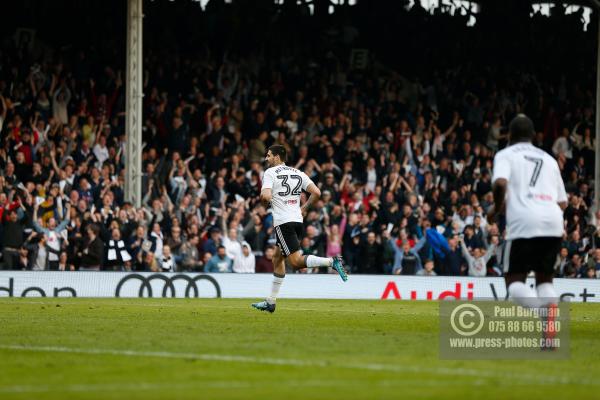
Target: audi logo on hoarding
{"x": 169, "y": 286}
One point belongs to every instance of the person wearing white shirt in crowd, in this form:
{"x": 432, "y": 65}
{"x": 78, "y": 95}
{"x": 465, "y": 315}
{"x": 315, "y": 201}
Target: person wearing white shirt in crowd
{"x": 52, "y": 233}
{"x": 562, "y": 145}
{"x": 117, "y": 255}
{"x": 233, "y": 247}
{"x": 371, "y": 175}
{"x": 427, "y": 269}
{"x": 463, "y": 217}
{"x": 476, "y": 260}
{"x": 167, "y": 261}
{"x": 61, "y": 98}
{"x": 246, "y": 262}
{"x": 156, "y": 237}
{"x": 101, "y": 151}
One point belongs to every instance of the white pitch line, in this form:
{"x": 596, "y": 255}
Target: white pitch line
{"x": 402, "y": 312}
{"x": 140, "y": 386}
{"x": 166, "y": 354}
{"x": 399, "y": 312}
{"x": 225, "y": 384}
{"x": 479, "y": 373}
{"x": 107, "y": 387}
{"x": 328, "y": 310}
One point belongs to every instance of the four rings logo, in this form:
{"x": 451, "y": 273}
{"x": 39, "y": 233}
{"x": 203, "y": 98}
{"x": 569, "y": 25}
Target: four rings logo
{"x": 169, "y": 285}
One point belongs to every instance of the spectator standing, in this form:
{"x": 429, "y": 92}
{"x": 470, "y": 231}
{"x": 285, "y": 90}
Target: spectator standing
{"x": 407, "y": 260}
{"x": 230, "y": 240}
{"x": 117, "y": 255}
{"x": 53, "y": 233}
{"x": 13, "y": 236}
{"x": 452, "y": 263}
{"x": 38, "y": 253}
{"x": 167, "y": 261}
{"x": 190, "y": 254}
{"x": 427, "y": 269}
{"x": 370, "y": 259}
{"x": 475, "y": 260}
{"x": 264, "y": 264}
{"x": 220, "y": 262}
{"x": 246, "y": 263}
{"x": 93, "y": 250}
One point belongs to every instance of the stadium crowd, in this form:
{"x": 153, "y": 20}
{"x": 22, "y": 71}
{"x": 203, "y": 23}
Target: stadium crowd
{"x": 404, "y": 163}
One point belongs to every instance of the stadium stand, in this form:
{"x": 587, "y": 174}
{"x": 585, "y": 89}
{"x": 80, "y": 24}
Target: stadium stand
{"x": 401, "y": 147}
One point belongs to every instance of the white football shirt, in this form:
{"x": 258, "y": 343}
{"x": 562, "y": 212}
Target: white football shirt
{"x": 287, "y": 184}
{"x": 534, "y": 189}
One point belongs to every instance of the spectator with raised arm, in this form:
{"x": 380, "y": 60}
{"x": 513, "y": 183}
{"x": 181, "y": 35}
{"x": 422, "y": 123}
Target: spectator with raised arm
{"x": 395, "y": 150}
{"x": 477, "y": 258}
{"x": 407, "y": 260}
{"x": 53, "y": 237}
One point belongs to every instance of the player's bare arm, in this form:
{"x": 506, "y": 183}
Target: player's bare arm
{"x": 499, "y": 191}
{"x": 266, "y": 195}
{"x": 315, "y": 194}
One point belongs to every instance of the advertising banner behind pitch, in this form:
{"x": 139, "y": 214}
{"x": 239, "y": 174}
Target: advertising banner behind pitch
{"x": 313, "y": 286}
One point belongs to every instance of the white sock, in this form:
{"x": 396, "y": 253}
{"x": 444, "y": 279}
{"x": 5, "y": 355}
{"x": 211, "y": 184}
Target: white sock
{"x": 547, "y": 294}
{"x": 524, "y": 295}
{"x": 314, "y": 262}
{"x": 277, "y": 282}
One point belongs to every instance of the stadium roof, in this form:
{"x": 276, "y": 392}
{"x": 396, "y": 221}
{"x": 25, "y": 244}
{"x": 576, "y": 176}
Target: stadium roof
{"x": 463, "y": 7}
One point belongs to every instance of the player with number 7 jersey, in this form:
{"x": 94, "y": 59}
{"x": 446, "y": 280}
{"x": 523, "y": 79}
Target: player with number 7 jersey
{"x": 528, "y": 183}
{"x": 535, "y": 187}
{"x": 282, "y": 188}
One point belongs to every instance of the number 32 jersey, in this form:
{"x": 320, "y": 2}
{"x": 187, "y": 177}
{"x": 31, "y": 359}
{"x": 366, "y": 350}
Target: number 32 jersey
{"x": 287, "y": 184}
{"x": 534, "y": 189}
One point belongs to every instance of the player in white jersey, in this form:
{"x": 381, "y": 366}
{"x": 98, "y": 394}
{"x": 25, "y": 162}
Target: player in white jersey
{"x": 282, "y": 187}
{"x": 527, "y": 183}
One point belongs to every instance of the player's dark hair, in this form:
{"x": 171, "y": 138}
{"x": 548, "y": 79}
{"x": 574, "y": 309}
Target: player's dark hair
{"x": 521, "y": 129}
{"x": 279, "y": 150}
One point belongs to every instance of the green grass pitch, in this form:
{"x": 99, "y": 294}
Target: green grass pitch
{"x": 223, "y": 349}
